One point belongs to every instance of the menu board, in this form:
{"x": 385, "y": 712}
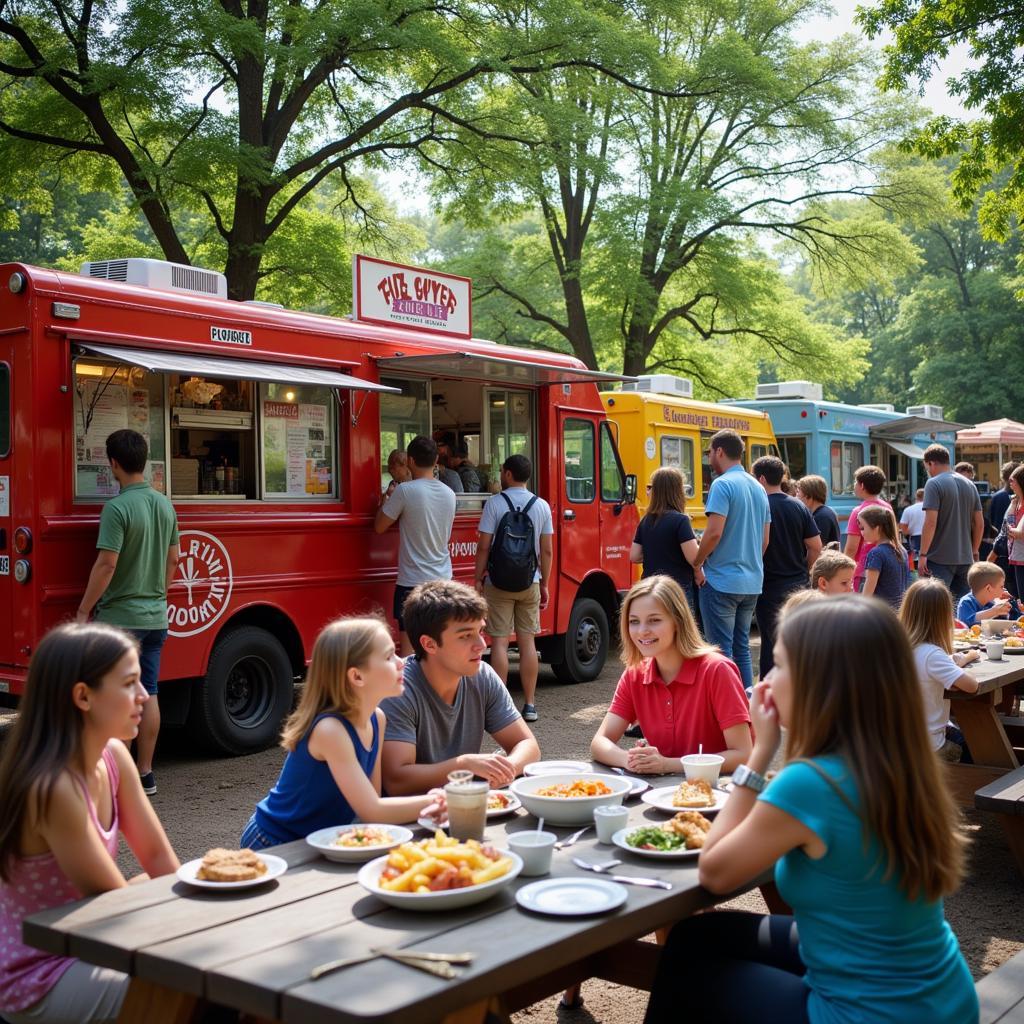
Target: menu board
{"x": 295, "y": 449}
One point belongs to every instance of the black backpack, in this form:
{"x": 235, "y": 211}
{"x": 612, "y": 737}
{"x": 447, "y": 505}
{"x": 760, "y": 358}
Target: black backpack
{"x": 512, "y": 561}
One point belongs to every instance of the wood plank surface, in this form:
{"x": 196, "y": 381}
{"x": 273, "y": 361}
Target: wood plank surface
{"x": 1005, "y": 795}
{"x": 1002, "y": 991}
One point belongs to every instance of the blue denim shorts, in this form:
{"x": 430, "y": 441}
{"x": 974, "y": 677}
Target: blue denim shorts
{"x": 254, "y": 838}
{"x": 151, "y": 643}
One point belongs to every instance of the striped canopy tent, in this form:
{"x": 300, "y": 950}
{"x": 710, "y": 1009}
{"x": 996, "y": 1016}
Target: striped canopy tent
{"x": 1001, "y": 435}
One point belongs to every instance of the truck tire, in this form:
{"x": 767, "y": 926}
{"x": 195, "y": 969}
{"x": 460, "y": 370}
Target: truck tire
{"x": 585, "y": 644}
{"x": 248, "y": 690}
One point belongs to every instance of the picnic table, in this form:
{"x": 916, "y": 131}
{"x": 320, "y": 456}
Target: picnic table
{"x": 253, "y": 949}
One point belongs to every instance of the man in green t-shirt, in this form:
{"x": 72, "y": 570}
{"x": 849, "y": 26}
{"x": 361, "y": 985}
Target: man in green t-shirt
{"x": 138, "y": 555}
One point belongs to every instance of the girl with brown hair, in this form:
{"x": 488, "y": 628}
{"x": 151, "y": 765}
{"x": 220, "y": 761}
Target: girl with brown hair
{"x": 667, "y": 662}
{"x": 886, "y": 570}
{"x": 68, "y": 787}
{"x": 665, "y": 542}
{"x": 332, "y": 772}
{"x": 863, "y": 834}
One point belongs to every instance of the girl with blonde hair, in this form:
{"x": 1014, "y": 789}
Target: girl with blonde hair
{"x": 665, "y": 542}
{"x": 331, "y": 775}
{"x": 863, "y": 834}
{"x": 927, "y": 616}
{"x": 668, "y": 665}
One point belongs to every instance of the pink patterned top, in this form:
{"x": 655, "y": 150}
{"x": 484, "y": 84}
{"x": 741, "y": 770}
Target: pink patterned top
{"x": 37, "y": 883}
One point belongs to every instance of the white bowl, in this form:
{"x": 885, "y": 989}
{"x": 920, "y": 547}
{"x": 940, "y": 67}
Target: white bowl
{"x": 556, "y": 810}
{"x": 996, "y": 627}
{"x": 369, "y": 879}
{"x": 323, "y": 842}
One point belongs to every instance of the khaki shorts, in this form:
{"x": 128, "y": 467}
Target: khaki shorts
{"x": 513, "y": 611}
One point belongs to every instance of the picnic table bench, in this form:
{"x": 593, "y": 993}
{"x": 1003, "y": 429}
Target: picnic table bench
{"x": 1001, "y": 993}
{"x": 1005, "y": 796}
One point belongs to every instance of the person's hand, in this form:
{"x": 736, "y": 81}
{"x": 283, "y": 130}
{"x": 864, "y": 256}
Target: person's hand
{"x": 81, "y": 616}
{"x": 977, "y": 555}
{"x": 478, "y": 586}
{"x": 645, "y": 760}
{"x": 698, "y": 576}
{"x": 496, "y": 768}
{"x": 967, "y": 657}
{"x": 437, "y": 809}
{"x": 545, "y": 596}
{"x": 922, "y": 566}
{"x": 1000, "y": 606}
{"x": 764, "y": 717}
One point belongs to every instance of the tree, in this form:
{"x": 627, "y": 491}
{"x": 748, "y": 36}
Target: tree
{"x": 993, "y": 83}
{"x": 242, "y": 109}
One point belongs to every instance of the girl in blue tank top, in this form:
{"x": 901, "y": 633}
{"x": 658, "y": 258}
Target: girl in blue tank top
{"x": 331, "y": 775}
{"x": 862, "y": 831}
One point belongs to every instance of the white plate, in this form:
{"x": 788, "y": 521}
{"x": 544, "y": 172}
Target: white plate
{"x": 276, "y": 866}
{"x": 572, "y": 810}
{"x": 572, "y": 897}
{"x": 662, "y": 799}
{"x": 639, "y": 786}
{"x": 323, "y": 842}
{"x": 556, "y": 767}
{"x": 619, "y": 839}
{"x": 369, "y": 876}
{"x": 1013, "y": 650}
{"x": 514, "y": 803}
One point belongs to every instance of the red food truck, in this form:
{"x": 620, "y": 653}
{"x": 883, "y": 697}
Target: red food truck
{"x": 270, "y": 430}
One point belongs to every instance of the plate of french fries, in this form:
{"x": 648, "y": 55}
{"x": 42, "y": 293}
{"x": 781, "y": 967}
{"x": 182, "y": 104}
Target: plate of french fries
{"x": 439, "y": 873}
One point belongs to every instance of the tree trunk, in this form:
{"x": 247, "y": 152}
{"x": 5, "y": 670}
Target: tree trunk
{"x": 577, "y": 324}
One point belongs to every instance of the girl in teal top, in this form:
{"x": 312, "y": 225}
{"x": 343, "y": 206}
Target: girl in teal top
{"x": 864, "y": 837}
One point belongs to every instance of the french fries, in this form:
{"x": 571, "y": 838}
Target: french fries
{"x": 433, "y": 865}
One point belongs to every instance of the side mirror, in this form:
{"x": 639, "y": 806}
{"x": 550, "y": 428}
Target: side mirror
{"x": 630, "y": 498}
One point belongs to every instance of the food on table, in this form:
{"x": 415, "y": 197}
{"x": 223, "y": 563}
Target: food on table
{"x": 362, "y": 835}
{"x": 497, "y": 801}
{"x": 575, "y": 789}
{"x": 693, "y": 793}
{"x": 687, "y": 830}
{"x": 975, "y": 630}
{"x": 440, "y": 863}
{"x": 1014, "y": 641}
{"x": 219, "y": 865}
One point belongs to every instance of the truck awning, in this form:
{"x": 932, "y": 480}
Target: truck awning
{"x": 493, "y": 369}
{"x": 904, "y": 448}
{"x": 157, "y": 361}
{"x": 910, "y": 426}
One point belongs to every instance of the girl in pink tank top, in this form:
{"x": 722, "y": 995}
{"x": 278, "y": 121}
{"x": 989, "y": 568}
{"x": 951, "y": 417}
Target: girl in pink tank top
{"x": 67, "y": 782}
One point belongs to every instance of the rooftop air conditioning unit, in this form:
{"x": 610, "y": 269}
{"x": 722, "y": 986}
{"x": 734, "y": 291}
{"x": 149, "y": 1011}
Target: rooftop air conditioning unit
{"x": 929, "y": 412}
{"x": 171, "y": 277}
{"x": 790, "y": 389}
{"x": 878, "y": 407}
{"x": 661, "y": 384}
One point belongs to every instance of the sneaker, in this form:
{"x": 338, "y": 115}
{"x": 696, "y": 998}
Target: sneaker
{"x": 529, "y": 713}
{"x": 148, "y": 783}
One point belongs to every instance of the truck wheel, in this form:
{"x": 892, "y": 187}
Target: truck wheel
{"x": 585, "y": 644}
{"x": 246, "y": 694}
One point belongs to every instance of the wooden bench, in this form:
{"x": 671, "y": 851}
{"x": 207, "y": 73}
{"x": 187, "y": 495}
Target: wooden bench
{"x": 1001, "y": 993}
{"x": 1005, "y": 797}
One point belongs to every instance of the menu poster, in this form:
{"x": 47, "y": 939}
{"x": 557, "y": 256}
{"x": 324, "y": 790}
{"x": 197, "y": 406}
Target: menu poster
{"x": 96, "y": 480}
{"x": 109, "y": 412}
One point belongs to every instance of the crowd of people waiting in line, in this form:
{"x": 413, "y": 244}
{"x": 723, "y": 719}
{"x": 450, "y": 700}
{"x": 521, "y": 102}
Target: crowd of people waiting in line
{"x": 862, "y": 832}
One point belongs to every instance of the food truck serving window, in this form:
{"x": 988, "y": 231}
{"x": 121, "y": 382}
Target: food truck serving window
{"x": 677, "y": 452}
{"x": 298, "y": 448}
{"x": 845, "y": 458}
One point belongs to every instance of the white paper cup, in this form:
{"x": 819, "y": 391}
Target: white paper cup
{"x": 703, "y": 766}
{"x": 535, "y": 849}
{"x": 609, "y": 819}
{"x": 994, "y": 650}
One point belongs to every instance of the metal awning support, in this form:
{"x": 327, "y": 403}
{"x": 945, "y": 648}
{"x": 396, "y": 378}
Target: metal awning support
{"x": 494, "y": 369}
{"x": 161, "y": 361}
{"x": 911, "y": 426}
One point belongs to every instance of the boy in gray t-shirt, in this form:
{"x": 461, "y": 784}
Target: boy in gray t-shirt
{"x": 451, "y": 699}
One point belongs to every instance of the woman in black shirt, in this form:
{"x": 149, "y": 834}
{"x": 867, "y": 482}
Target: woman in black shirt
{"x": 665, "y": 541}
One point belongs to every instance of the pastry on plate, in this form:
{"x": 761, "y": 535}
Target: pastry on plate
{"x": 219, "y": 865}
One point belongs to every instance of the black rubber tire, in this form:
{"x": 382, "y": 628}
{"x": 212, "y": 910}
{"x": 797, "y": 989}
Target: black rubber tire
{"x": 585, "y": 643}
{"x": 240, "y": 705}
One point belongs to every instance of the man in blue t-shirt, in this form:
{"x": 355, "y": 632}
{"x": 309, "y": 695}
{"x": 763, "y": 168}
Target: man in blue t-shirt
{"x": 729, "y": 567}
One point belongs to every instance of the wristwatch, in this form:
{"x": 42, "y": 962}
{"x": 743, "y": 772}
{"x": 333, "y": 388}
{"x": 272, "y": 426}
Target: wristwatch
{"x": 746, "y": 776}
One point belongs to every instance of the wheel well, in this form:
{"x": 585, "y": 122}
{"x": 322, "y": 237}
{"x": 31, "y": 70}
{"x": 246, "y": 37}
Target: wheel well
{"x": 601, "y": 589}
{"x": 276, "y": 622}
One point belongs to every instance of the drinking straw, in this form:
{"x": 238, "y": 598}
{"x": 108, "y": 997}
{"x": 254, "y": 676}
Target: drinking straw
{"x": 540, "y": 824}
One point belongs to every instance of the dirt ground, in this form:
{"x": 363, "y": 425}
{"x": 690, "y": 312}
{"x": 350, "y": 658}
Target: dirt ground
{"x": 205, "y": 802}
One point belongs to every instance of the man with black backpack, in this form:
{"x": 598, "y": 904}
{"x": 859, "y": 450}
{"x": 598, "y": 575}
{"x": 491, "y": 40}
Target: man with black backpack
{"x": 514, "y": 554}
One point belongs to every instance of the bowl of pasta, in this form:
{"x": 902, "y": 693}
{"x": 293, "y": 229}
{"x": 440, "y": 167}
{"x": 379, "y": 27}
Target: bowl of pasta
{"x": 570, "y": 799}
{"x": 439, "y": 873}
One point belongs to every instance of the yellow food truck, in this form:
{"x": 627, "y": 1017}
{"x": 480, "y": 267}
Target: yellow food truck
{"x": 659, "y": 424}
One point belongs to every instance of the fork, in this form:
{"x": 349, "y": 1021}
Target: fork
{"x": 602, "y": 869}
{"x": 599, "y": 868}
{"x": 564, "y": 843}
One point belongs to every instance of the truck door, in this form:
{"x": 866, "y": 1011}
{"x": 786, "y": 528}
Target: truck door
{"x": 578, "y": 513}
{"x": 6, "y": 477}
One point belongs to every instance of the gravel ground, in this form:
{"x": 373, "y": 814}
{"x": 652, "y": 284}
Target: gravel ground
{"x": 205, "y": 801}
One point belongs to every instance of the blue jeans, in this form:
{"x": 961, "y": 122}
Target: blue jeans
{"x": 727, "y": 624}
{"x": 954, "y": 576}
{"x": 254, "y": 838}
{"x": 151, "y": 643}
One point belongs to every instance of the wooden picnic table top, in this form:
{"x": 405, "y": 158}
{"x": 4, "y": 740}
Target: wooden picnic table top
{"x": 992, "y": 675}
{"x": 253, "y": 949}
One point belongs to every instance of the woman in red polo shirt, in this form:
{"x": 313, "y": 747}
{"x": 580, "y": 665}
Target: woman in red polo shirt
{"x": 682, "y": 691}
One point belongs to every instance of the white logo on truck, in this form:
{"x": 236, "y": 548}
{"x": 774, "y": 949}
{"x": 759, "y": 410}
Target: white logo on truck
{"x": 202, "y": 586}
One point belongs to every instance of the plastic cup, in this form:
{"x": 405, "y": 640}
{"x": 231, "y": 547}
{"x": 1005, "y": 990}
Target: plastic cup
{"x": 609, "y": 820}
{"x": 703, "y": 766}
{"x": 467, "y": 806}
{"x": 535, "y": 848}
{"x": 994, "y": 649}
